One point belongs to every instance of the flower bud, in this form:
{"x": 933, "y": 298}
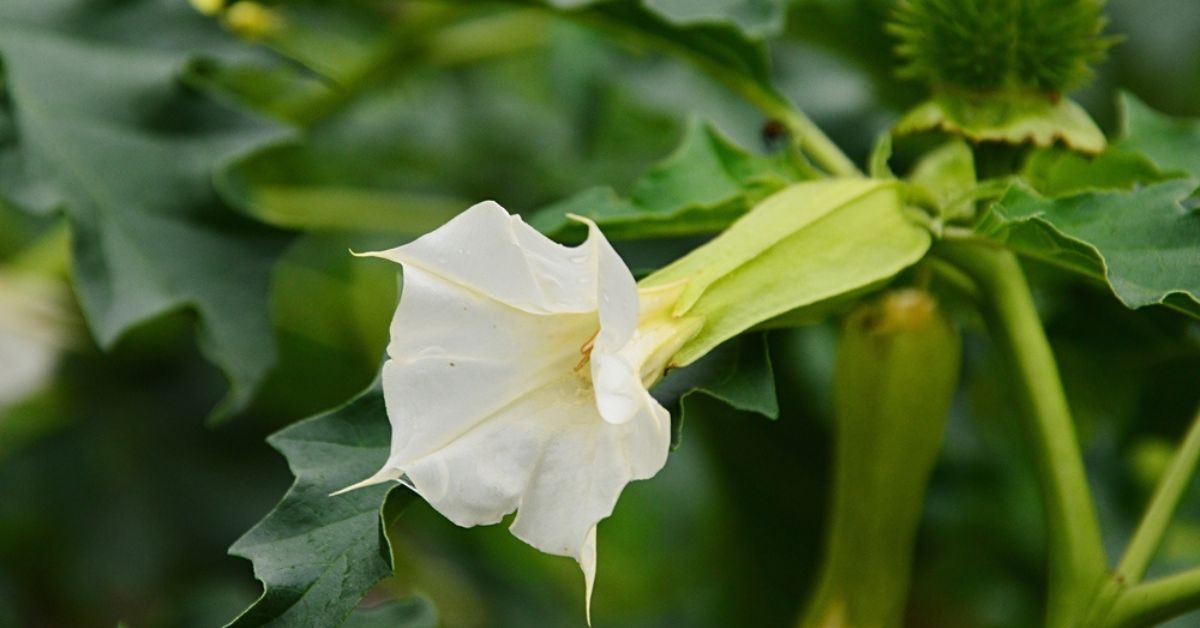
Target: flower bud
{"x": 896, "y": 372}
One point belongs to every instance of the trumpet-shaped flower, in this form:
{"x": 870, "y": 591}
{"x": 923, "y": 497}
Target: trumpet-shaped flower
{"x": 517, "y": 379}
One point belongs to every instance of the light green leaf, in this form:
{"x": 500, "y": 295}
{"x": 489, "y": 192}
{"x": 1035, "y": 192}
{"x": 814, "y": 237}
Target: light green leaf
{"x": 1014, "y": 120}
{"x": 1145, "y": 243}
{"x": 318, "y": 555}
{"x": 707, "y": 183}
{"x": 945, "y": 177}
{"x": 1172, "y": 143}
{"x": 809, "y": 243}
{"x": 1058, "y": 172}
{"x": 130, "y": 151}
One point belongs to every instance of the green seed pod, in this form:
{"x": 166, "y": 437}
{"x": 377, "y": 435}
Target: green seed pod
{"x": 896, "y": 372}
{"x": 987, "y": 46}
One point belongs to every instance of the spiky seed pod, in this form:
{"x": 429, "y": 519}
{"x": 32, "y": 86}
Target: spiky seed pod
{"x": 1043, "y": 46}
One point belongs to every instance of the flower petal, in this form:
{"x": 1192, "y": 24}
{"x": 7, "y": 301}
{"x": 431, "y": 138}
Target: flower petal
{"x": 500, "y": 257}
{"x": 458, "y": 358}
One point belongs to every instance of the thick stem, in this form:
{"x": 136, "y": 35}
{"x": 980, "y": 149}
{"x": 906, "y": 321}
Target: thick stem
{"x": 1076, "y": 558}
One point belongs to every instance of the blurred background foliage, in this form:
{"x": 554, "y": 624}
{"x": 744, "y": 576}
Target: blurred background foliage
{"x": 281, "y": 143}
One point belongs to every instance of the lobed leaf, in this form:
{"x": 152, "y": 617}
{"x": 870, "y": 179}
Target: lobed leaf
{"x": 317, "y": 555}
{"x": 105, "y": 129}
{"x": 1144, "y": 242}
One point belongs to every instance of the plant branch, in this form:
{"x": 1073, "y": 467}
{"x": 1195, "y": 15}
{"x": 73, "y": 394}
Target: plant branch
{"x": 1077, "y": 562}
{"x": 1162, "y": 507}
{"x": 1154, "y": 602}
{"x": 1114, "y": 599}
{"x": 806, "y": 135}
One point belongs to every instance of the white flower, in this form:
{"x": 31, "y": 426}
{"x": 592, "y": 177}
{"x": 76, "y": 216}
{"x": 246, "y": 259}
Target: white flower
{"x": 517, "y": 379}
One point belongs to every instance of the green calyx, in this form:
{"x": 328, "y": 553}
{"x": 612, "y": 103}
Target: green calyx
{"x": 1000, "y": 46}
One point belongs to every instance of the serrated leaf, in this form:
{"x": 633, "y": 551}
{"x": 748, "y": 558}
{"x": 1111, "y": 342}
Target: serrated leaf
{"x": 316, "y": 554}
{"x": 1144, "y": 242}
{"x": 130, "y": 152}
{"x": 702, "y": 187}
{"x": 1172, "y": 143}
{"x": 1013, "y": 120}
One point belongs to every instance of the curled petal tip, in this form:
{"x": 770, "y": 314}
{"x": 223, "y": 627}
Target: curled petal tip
{"x": 383, "y": 475}
{"x": 591, "y": 224}
{"x": 587, "y": 562}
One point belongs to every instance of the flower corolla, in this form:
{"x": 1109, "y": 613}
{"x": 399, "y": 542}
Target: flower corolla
{"x": 517, "y": 379}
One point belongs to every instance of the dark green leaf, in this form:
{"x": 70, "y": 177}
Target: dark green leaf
{"x": 330, "y": 311}
{"x": 103, "y": 120}
{"x": 718, "y": 46}
{"x": 707, "y": 183}
{"x": 1173, "y": 143}
{"x": 1145, "y": 243}
{"x": 737, "y": 374}
{"x": 318, "y": 555}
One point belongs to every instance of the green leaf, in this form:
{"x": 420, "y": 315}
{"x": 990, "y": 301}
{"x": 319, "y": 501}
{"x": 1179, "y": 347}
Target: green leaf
{"x": 316, "y": 554}
{"x": 130, "y": 151}
{"x": 738, "y": 374}
{"x": 1058, "y": 172}
{"x": 945, "y": 179}
{"x": 706, "y": 184}
{"x": 278, "y": 90}
{"x": 1013, "y": 120}
{"x": 809, "y": 243}
{"x": 756, "y": 18}
{"x": 1172, "y": 143}
{"x": 330, "y": 313}
{"x": 1144, "y": 242}
{"x": 719, "y": 47}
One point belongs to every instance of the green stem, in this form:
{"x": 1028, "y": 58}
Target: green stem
{"x": 1117, "y": 599}
{"x": 1154, "y": 602}
{"x": 1162, "y": 507}
{"x": 1076, "y": 558}
{"x": 806, "y": 135}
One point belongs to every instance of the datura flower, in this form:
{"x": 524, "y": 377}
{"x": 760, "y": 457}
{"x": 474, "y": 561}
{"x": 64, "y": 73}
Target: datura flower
{"x": 517, "y": 379}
